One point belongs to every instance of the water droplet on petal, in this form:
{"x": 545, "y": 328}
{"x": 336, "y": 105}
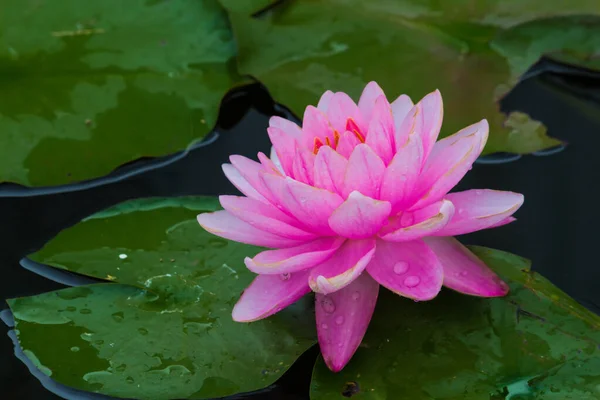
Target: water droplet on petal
{"x": 478, "y": 192}
{"x": 328, "y": 305}
{"x": 355, "y": 296}
{"x": 463, "y": 273}
{"x": 324, "y": 326}
{"x": 460, "y": 210}
{"x": 339, "y": 320}
{"x": 401, "y": 267}
{"x": 285, "y": 276}
{"x": 412, "y": 281}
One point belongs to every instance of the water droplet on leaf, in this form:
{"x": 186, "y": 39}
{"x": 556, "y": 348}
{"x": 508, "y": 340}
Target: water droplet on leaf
{"x": 74, "y": 349}
{"x": 118, "y": 316}
{"x": 129, "y": 379}
{"x": 85, "y": 311}
{"x": 143, "y": 331}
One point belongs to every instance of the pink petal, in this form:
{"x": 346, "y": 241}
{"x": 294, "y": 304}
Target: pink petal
{"x": 364, "y": 172}
{"x": 289, "y": 127}
{"x": 225, "y": 225}
{"x": 347, "y": 144}
{"x": 268, "y": 294}
{"x": 276, "y": 161}
{"x": 449, "y": 161}
{"x": 407, "y": 127}
{"x": 366, "y": 103}
{"x": 479, "y": 209}
{"x": 416, "y": 224}
{"x": 303, "y": 166}
{"x": 505, "y": 221}
{"x": 285, "y": 147}
{"x": 430, "y": 121}
{"x": 265, "y": 217}
{"x": 294, "y": 259}
{"x": 329, "y": 170}
{"x": 343, "y": 267}
{"x": 359, "y": 216}
{"x": 401, "y": 175}
{"x": 380, "y": 136}
{"x": 341, "y": 107}
{"x": 410, "y": 269}
{"x": 315, "y": 125}
{"x": 400, "y": 108}
{"x": 268, "y": 164}
{"x": 241, "y": 183}
{"x": 343, "y": 318}
{"x": 463, "y": 271}
{"x": 325, "y": 100}
{"x": 250, "y": 171}
{"x": 311, "y": 206}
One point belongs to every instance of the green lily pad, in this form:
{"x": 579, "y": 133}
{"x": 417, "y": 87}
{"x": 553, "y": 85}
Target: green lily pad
{"x": 303, "y": 48}
{"x": 88, "y": 86}
{"x": 165, "y": 329}
{"x": 571, "y": 40}
{"x": 536, "y": 343}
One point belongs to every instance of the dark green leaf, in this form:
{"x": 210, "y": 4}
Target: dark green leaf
{"x": 87, "y": 86}
{"x": 536, "y": 343}
{"x": 169, "y": 334}
{"x": 304, "y": 48}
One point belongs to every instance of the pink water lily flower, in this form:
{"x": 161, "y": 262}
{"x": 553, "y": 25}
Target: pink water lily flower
{"x": 357, "y": 198}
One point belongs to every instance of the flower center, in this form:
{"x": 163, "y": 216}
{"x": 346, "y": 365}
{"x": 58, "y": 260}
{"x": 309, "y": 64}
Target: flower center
{"x": 350, "y": 127}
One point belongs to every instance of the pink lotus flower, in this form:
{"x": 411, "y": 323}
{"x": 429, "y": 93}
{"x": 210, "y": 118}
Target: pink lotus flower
{"x": 357, "y": 198}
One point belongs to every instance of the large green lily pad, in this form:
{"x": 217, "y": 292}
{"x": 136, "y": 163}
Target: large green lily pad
{"x": 536, "y": 343}
{"x": 165, "y": 329}
{"x": 88, "y": 85}
{"x": 303, "y": 48}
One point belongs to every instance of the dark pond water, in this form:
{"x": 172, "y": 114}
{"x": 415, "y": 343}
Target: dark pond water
{"x": 556, "y": 226}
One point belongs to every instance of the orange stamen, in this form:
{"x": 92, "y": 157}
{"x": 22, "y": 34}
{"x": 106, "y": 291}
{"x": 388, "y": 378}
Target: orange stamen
{"x": 336, "y": 138}
{"x": 317, "y": 146}
{"x": 327, "y": 142}
{"x": 352, "y": 127}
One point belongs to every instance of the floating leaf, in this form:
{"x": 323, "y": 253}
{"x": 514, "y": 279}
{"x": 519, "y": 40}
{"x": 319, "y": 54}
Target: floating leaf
{"x": 85, "y": 87}
{"x": 169, "y": 332}
{"x": 535, "y": 343}
{"x": 303, "y": 48}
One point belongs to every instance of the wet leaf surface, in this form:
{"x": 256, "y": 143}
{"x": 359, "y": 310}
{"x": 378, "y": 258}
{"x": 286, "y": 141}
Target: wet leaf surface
{"x": 473, "y": 52}
{"x": 101, "y": 83}
{"x": 165, "y": 329}
{"x": 536, "y": 343}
